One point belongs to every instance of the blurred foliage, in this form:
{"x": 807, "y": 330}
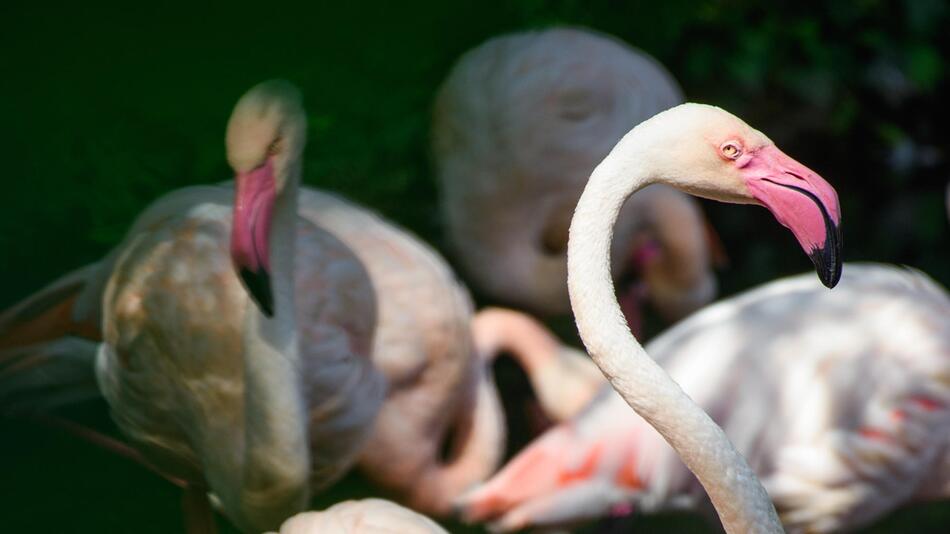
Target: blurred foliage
{"x": 106, "y": 107}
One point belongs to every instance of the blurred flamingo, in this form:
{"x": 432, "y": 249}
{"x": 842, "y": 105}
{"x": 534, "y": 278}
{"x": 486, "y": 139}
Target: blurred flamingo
{"x": 367, "y": 516}
{"x": 519, "y": 125}
{"x": 563, "y": 379}
{"x": 440, "y": 392}
{"x": 437, "y": 389}
{"x": 242, "y": 370}
{"x": 838, "y": 399}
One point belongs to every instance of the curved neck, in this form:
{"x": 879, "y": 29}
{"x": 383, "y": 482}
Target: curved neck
{"x": 740, "y": 500}
{"x": 497, "y": 330}
{"x": 276, "y": 462}
{"x": 478, "y": 438}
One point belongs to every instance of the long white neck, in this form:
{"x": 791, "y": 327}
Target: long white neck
{"x": 276, "y": 467}
{"x": 740, "y": 500}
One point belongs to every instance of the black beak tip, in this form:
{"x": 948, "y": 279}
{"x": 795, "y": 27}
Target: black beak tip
{"x": 830, "y": 275}
{"x": 827, "y": 259}
{"x": 258, "y": 286}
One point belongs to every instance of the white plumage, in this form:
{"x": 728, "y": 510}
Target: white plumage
{"x": 519, "y": 125}
{"x": 367, "y": 516}
{"x": 840, "y": 400}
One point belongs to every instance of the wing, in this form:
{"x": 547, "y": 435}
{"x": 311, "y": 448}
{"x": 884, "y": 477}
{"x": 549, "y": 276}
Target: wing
{"x": 41, "y": 377}
{"x": 52, "y": 312}
{"x": 576, "y": 471}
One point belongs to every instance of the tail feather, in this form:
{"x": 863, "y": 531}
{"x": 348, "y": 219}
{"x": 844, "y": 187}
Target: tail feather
{"x": 66, "y": 307}
{"x": 596, "y": 465}
{"x": 557, "y": 459}
{"x": 42, "y": 377}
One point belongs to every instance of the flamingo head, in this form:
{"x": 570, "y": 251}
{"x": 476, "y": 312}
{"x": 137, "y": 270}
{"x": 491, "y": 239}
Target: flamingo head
{"x": 265, "y": 138}
{"x": 709, "y": 152}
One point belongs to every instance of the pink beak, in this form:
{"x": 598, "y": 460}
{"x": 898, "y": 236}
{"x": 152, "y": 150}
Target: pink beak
{"x": 250, "y": 233}
{"x": 801, "y": 201}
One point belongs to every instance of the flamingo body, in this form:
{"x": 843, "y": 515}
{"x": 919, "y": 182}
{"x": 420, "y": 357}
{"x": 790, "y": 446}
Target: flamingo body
{"x": 438, "y": 386}
{"x": 519, "y": 125}
{"x": 838, "y": 399}
{"x": 236, "y": 334}
{"x": 412, "y": 318}
{"x": 169, "y": 364}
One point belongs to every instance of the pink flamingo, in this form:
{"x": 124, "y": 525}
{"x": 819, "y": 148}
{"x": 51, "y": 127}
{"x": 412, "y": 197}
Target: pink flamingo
{"x": 519, "y": 125}
{"x": 240, "y": 369}
{"x": 708, "y": 152}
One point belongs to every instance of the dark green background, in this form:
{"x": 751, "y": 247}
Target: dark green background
{"x": 105, "y": 107}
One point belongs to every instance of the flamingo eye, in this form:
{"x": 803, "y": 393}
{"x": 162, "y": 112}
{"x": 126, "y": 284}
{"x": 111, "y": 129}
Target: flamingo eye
{"x": 730, "y": 150}
{"x": 274, "y": 147}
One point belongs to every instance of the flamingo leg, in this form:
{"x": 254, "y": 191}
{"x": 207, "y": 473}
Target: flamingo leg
{"x": 199, "y": 518}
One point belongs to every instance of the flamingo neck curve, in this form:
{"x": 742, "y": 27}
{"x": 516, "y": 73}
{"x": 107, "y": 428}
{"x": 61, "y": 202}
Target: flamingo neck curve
{"x": 739, "y": 498}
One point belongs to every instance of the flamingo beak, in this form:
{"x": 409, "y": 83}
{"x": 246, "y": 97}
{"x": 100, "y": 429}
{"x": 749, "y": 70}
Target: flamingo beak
{"x": 250, "y": 233}
{"x": 801, "y": 201}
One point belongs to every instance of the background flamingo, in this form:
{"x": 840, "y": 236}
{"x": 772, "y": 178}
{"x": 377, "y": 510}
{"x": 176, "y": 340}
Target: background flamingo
{"x": 518, "y": 127}
{"x": 367, "y": 516}
{"x": 837, "y": 398}
{"x": 214, "y": 389}
{"x": 438, "y": 390}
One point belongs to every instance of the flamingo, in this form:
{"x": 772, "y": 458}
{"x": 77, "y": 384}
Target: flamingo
{"x": 519, "y": 124}
{"x": 439, "y": 388}
{"x": 241, "y": 369}
{"x": 367, "y": 516}
{"x": 237, "y": 368}
{"x": 838, "y": 399}
{"x": 705, "y": 151}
